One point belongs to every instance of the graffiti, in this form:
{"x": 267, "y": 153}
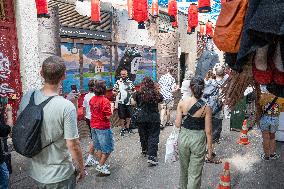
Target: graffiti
{"x": 4, "y": 67}
{"x": 5, "y": 89}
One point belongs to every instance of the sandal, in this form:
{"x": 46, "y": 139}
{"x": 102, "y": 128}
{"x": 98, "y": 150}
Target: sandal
{"x": 213, "y": 160}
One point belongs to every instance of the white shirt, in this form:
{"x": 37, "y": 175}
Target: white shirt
{"x": 86, "y": 104}
{"x": 167, "y": 83}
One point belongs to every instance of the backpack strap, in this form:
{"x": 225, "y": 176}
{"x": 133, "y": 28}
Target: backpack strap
{"x": 199, "y": 104}
{"x": 42, "y": 105}
{"x": 32, "y": 99}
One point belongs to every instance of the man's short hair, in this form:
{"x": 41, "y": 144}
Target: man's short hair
{"x": 123, "y": 70}
{"x": 91, "y": 85}
{"x": 53, "y": 69}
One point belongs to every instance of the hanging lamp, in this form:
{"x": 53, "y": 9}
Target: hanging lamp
{"x": 175, "y": 23}
{"x": 130, "y": 8}
{"x": 209, "y": 29}
{"x": 140, "y": 12}
{"x": 155, "y": 8}
{"x": 95, "y": 11}
{"x": 42, "y": 8}
{"x": 202, "y": 29}
{"x": 204, "y": 6}
{"x": 192, "y": 18}
{"x": 172, "y": 10}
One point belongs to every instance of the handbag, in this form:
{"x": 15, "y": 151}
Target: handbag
{"x": 229, "y": 25}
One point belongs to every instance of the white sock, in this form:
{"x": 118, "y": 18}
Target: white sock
{"x": 90, "y": 157}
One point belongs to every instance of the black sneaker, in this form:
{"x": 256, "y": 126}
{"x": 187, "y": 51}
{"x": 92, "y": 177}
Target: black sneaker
{"x": 152, "y": 161}
{"x": 274, "y": 156}
{"x": 122, "y": 132}
{"x": 144, "y": 153}
{"x": 130, "y": 131}
{"x": 265, "y": 158}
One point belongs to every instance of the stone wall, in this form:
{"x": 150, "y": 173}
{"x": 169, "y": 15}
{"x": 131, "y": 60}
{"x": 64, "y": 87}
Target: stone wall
{"x": 167, "y": 53}
{"x": 187, "y": 42}
{"x": 126, "y": 31}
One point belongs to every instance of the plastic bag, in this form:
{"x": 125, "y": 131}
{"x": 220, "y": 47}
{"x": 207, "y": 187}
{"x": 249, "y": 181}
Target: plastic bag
{"x": 172, "y": 147}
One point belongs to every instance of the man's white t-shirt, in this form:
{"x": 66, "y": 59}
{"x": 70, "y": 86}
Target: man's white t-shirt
{"x": 86, "y": 104}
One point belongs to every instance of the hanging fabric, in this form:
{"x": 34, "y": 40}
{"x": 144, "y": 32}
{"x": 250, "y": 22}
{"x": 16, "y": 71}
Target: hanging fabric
{"x": 192, "y": 18}
{"x": 155, "y": 8}
{"x": 140, "y": 12}
{"x": 130, "y": 8}
{"x": 95, "y": 11}
{"x": 204, "y": 6}
{"x": 42, "y": 8}
{"x": 172, "y": 10}
{"x": 229, "y": 25}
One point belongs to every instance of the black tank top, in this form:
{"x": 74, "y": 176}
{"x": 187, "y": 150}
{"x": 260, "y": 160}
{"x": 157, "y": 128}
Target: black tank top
{"x": 194, "y": 123}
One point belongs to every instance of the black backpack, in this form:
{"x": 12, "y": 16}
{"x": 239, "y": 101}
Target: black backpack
{"x": 26, "y": 134}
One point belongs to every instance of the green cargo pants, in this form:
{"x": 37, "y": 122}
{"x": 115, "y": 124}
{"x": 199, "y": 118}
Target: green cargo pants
{"x": 192, "y": 150}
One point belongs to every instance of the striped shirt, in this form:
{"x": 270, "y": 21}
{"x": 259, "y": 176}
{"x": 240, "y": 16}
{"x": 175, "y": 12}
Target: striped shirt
{"x": 124, "y": 88}
{"x": 167, "y": 83}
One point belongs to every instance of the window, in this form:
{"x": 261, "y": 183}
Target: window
{"x": 2, "y": 10}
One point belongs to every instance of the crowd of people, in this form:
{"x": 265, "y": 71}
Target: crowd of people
{"x": 198, "y": 119}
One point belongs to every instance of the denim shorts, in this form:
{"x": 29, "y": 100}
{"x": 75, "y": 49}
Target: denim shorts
{"x": 4, "y": 176}
{"x": 103, "y": 140}
{"x": 269, "y": 123}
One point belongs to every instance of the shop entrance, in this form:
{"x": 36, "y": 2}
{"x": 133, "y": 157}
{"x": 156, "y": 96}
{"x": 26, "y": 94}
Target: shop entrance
{"x": 10, "y": 83}
{"x": 182, "y": 67}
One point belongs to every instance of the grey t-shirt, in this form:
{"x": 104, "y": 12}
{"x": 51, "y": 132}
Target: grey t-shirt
{"x": 54, "y": 163}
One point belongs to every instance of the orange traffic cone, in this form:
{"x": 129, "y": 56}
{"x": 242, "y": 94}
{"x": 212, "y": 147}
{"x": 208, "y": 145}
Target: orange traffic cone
{"x": 225, "y": 179}
{"x": 244, "y": 137}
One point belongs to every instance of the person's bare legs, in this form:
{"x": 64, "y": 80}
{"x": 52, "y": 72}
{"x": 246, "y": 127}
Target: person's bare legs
{"x": 127, "y": 123}
{"x": 163, "y": 115}
{"x": 99, "y": 155}
{"x": 103, "y": 159}
{"x": 266, "y": 143}
{"x": 168, "y": 115}
{"x": 272, "y": 143}
{"x": 91, "y": 149}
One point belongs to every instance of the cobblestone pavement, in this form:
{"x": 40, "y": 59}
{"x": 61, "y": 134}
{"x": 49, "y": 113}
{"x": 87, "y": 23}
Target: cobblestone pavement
{"x": 129, "y": 169}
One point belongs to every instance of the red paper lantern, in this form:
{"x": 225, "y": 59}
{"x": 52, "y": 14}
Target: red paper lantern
{"x": 42, "y": 8}
{"x": 140, "y": 12}
{"x": 172, "y": 10}
{"x": 192, "y": 18}
{"x": 95, "y": 11}
{"x": 175, "y": 23}
{"x": 202, "y": 29}
{"x": 130, "y": 8}
{"x": 204, "y": 6}
{"x": 209, "y": 29}
{"x": 155, "y": 8}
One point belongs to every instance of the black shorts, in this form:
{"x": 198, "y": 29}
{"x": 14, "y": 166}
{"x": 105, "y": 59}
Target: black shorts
{"x": 89, "y": 125}
{"x": 124, "y": 111}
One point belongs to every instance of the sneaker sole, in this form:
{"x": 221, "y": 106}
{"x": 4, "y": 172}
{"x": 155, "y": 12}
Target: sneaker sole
{"x": 152, "y": 162}
{"x": 102, "y": 172}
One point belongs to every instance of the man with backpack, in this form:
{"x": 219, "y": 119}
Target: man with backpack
{"x": 54, "y": 141}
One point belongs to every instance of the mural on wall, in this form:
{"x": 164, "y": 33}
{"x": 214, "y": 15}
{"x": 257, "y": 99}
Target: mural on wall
{"x": 96, "y": 65}
{"x": 10, "y": 77}
{"x": 139, "y": 63}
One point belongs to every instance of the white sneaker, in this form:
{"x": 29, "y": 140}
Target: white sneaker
{"x": 103, "y": 169}
{"x": 91, "y": 162}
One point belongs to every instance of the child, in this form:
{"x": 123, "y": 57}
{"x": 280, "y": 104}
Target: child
{"x": 100, "y": 123}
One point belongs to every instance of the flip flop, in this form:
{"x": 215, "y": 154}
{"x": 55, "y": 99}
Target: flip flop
{"x": 214, "y": 160}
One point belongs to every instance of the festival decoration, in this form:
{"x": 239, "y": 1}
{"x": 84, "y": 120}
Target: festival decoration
{"x": 202, "y": 29}
{"x": 130, "y": 8}
{"x": 175, "y": 23}
{"x": 155, "y": 8}
{"x": 172, "y": 10}
{"x": 140, "y": 12}
{"x": 42, "y": 8}
{"x": 204, "y": 6}
{"x": 209, "y": 29}
{"x": 95, "y": 11}
{"x": 192, "y": 18}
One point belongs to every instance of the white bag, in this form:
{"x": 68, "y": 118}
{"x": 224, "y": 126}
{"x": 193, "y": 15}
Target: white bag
{"x": 172, "y": 147}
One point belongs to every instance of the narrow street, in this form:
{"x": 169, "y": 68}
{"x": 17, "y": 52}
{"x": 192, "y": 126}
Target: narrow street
{"x": 130, "y": 170}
